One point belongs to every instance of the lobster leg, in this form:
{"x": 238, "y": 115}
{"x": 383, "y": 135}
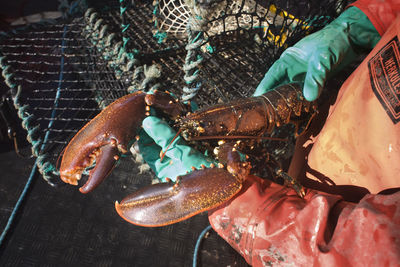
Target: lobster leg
{"x": 168, "y": 203}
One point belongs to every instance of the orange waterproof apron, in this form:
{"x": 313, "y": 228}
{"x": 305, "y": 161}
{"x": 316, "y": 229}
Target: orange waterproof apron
{"x": 360, "y": 142}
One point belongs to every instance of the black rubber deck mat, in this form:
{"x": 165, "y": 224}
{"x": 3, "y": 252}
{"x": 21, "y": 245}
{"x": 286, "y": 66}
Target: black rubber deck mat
{"x": 62, "y": 227}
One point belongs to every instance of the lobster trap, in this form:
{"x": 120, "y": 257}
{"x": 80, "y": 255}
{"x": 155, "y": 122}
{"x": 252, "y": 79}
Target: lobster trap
{"x": 61, "y": 73}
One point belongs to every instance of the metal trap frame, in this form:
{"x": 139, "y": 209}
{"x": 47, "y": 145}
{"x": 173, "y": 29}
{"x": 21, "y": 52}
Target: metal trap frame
{"x": 61, "y": 73}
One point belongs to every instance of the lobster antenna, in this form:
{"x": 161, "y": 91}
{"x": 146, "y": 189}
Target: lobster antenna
{"x": 162, "y": 153}
{"x": 239, "y": 137}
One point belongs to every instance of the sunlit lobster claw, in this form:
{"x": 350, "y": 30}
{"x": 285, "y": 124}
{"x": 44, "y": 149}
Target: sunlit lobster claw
{"x": 171, "y": 202}
{"x": 107, "y": 136}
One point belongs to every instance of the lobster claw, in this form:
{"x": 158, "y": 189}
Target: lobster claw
{"x": 108, "y": 135}
{"x": 102, "y": 140}
{"x": 105, "y": 162}
{"x": 167, "y": 203}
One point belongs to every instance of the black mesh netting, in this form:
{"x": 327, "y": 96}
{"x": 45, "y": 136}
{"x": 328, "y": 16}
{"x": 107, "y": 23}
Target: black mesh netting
{"x": 62, "y": 73}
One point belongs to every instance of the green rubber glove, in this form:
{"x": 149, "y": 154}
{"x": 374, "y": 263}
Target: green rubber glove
{"x": 318, "y": 56}
{"x": 179, "y": 158}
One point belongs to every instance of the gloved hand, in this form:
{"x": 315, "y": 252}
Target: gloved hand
{"x": 179, "y": 158}
{"x": 316, "y": 57}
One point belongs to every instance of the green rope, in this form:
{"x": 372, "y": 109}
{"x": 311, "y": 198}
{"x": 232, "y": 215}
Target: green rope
{"x": 151, "y": 74}
{"x": 28, "y": 120}
{"x": 124, "y": 6}
{"x": 40, "y": 163}
{"x": 33, "y": 136}
{"x": 22, "y": 110}
{"x": 113, "y": 51}
{"x": 193, "y": 60}
{"x": 158, "y": 35}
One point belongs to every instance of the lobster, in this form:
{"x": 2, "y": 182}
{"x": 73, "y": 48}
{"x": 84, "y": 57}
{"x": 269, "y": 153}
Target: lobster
{"x": 103, "y": 139}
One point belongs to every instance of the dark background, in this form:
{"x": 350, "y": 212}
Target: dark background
{"x": 58, "y": 226}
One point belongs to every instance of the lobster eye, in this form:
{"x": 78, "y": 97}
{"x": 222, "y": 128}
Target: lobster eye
{"x": 186, "y": 135}
{"x": 222, "y": 127}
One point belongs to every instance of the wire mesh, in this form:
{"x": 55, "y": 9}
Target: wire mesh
{"x": 58, "y": 81}
{"x": 63, "y": 73}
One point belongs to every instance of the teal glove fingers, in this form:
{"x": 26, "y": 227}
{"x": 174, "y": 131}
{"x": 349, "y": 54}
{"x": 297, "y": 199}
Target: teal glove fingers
{"x": 288, "y": 68}
{"x": 150, "y": 151}
{"x": 179, "y": 157}
{"x": 332, "y": 51}
{"x": 359, "y": 28}
{"x": 317, "y": 73}
{"x": 320, "y": 55}
{"x": 272, "y": 79}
